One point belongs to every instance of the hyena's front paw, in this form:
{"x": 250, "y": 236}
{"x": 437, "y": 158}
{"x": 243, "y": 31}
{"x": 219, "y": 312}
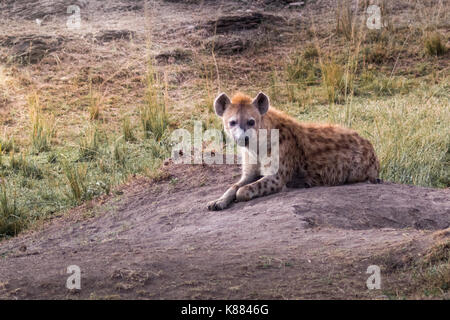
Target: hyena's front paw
{"x": 218, "y": 204}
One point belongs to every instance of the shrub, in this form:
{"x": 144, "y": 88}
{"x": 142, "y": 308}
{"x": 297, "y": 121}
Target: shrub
{"x": 89, "y": 144}
{"x": 153, "y": 114}
{"x": 434, "y": 45}
{"x": 42, "y": 131}
{"x": 11, "y": 220}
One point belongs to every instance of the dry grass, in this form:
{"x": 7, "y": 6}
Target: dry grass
{"x": 432, "y": 275}
{"x": 434, "y": 44}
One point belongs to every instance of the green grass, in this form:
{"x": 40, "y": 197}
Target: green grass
{"x": 11, "y": 219}
{"x": 42, "y": 130}
{"x": 7, "y": 145}
{"x": 52, "y": 181}
{"x": 46, "y": 178}
{"x": 153, "y": 113}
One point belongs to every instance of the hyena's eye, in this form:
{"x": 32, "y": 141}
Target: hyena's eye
{"x": 232, "y": 123}
{"x": 251, "y": 122}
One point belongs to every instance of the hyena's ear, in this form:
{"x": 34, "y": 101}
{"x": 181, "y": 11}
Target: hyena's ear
{"x": 221, "y": 103}
{"x": 261, "y": 102}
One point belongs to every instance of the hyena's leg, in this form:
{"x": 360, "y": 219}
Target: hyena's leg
{"x": 263, "y": 187}
{"x": 249, "y": 174}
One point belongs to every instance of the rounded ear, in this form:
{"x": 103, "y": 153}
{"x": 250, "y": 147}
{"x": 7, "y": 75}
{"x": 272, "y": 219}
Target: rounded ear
{"x": 220, "y": 104}
{"x": 261, "y": 102}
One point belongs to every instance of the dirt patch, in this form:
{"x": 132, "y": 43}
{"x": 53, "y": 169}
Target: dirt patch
{"x": 130, "y": 5}
{"x": 31, "y": 49}
{"x": 233, "y": 34}
{"x": 157, "y": 240}
{"x": 242, "y": 22}
{"x": 360, "y": 207}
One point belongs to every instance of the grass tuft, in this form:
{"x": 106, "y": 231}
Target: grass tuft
{"x": 11, "y": 219}
{"x": 7, "y": 145}
{"x": 89, "y": 144}
{"x": 153, "y": 114}
{"x": 76, "y": 178}
{"x": 434, "y": 45}
{"x": 22, "y": 165}
{"x": 127, "y": 130}
{"x": 42, "y": 131}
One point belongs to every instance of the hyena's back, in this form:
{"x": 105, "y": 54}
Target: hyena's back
{"x": 332, "y": 155}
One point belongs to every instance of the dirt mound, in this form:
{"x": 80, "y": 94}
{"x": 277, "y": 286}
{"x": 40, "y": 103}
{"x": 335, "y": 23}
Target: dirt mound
{"x": 241, "y": 22}
{"x": 233, "y": 34}
{"x": 157, "y": 240}
{"x": 367, "y": 206}
{"x": 38, "y": 9}
{"x": 30, "y": 49}
{"x": 127, "y": 5}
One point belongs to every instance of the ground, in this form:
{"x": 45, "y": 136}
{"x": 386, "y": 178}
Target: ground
{"x": 84, "y": 181}
{"x": 157, "y": 240}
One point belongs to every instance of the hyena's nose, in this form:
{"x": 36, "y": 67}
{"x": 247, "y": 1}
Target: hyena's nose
{"x": 247, "y": 139}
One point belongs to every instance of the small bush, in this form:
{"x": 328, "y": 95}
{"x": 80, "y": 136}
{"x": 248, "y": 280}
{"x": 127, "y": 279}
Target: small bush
{"x": 371, "y": 83}
{"x": 26, "y": 168}
{"x": 337, "y": 82}
{"x": 42, "y": 131}
{"x": 76, "y": 177}
{"x": 432, "y": 276}
{"x": 11, "y": 220}
{"x": 119, "y": 152}
{"x": 153, "y": 114}
{"x": 434, "y": 45}
{"x": 376, "y": 54}
{"x": 303, "y": 71}
{"x": 7, "y": 145}
{"x": 94, "y": 105}
{"x": 127, "y": 130}
{"x": 344, "y": 19}
{"x": 310, "y": 52}
{"x": 89, "y": 144}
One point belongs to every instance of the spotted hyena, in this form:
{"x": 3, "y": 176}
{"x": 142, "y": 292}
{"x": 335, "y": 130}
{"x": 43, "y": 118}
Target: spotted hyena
{"x": 309, "y": 154}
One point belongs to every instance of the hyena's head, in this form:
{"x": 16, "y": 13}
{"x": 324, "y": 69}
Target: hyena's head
{"x": 242, "y": 116}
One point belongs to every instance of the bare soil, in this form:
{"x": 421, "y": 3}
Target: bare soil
{"x": 157, "y": 240}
